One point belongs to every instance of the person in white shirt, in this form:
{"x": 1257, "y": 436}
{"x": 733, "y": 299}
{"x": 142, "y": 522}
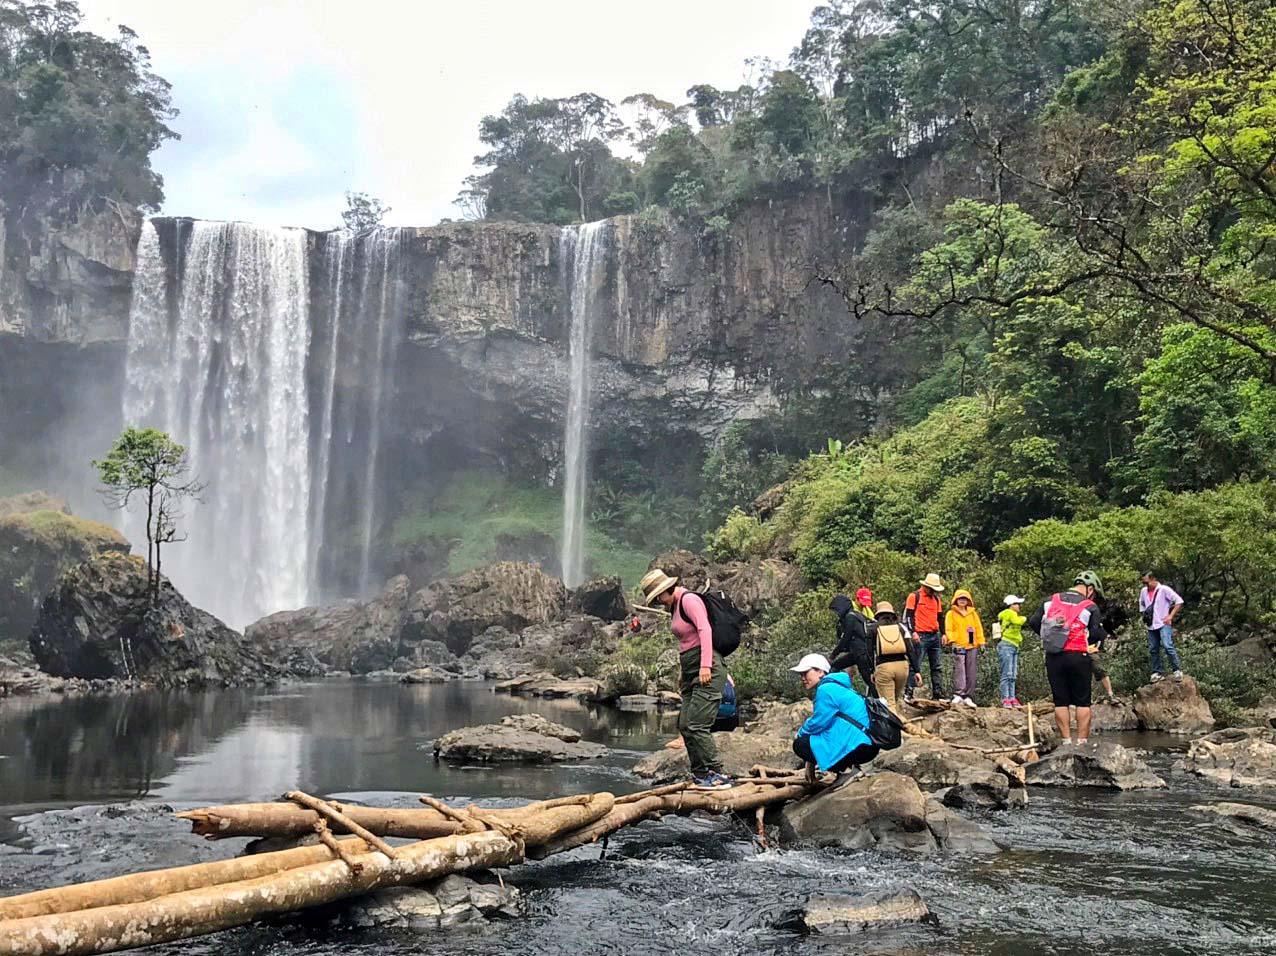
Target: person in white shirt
{"x": 1160, "y": 604}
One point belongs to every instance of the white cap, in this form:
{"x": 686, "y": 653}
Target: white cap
{"x": 813, "y": 662}
{"x": 1013, "y": 599}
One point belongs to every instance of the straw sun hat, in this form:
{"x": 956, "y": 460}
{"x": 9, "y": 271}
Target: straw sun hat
{"x": 654, "y": 584}
{"x": 933, "y": 581}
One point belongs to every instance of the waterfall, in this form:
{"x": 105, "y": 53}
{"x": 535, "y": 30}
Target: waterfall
{"x": 278, "y": 395}
{"x": 218, "y": 360}
{"x": 584, "y": 261}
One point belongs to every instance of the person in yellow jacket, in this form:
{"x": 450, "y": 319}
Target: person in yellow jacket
{"x": 964, "y": 632}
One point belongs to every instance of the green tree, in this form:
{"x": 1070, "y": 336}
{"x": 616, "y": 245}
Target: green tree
{"x": 362, "y": 212}
{"x": 80, "y": 115}
{"x": 147, "y": 463}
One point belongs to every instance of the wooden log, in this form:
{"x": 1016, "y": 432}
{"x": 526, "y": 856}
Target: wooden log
{"x": 209, "y": 909}
{"x": 146, "y": 886}
{"x": 288, "y": 819}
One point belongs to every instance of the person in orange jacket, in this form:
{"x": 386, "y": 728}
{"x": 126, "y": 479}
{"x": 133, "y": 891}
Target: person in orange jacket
{"x": 964, "y": 632}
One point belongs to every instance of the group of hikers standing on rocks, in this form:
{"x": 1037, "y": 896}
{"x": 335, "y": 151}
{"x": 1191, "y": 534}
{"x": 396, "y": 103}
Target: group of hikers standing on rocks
{"x": 887, "y": 651}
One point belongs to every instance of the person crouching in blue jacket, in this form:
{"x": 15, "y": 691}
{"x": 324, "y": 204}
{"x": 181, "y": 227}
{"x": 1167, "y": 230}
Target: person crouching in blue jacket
{"x": 835, "y": 736}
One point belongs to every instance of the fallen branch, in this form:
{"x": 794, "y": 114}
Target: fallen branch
{"x": 336, "y": 816}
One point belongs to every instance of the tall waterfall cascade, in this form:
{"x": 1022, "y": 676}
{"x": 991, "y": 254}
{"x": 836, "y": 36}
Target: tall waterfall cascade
{"x": 585, "y": 268}
{"x": 229, "y": 354}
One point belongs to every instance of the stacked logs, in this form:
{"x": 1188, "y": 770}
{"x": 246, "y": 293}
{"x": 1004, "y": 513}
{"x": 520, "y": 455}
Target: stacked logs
{"x": 171, "y": 904}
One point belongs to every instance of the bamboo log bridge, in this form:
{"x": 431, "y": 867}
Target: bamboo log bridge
{"x": 161, "y": 906}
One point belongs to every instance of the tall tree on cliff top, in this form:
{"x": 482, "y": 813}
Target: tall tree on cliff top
{"x": 79, "y": 114}
{"x": 362, "y": 212}
{"x": 549, "y": 160}
{"x": 145, "y": 463}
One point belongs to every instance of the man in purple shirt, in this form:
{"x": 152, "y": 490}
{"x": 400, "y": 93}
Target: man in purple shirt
{"x": 1160, "y": 605}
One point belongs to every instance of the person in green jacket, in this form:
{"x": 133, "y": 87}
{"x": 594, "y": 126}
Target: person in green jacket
{"x": 1012, "y": 623}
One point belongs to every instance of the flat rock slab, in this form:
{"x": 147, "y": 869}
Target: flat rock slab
{"x": 1236, "y": 757}
{"x": 1262, "y": 817}
{"x": 499, "y": 743}
{"x": 1096, "y": 764}
{"x": 849, "y": 913}
{"x": 885, "y": 811}
{"x": 548, "y": 686}
{"x": 426, "y": 675}
{"x": 536, "y": 724}
{"x": 989, "y": 728}
{"x": 638, "y": 702}
{"x": 1175, "y": 706}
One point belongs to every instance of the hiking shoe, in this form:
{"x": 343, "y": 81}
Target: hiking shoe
{"x": 956, "y": 699}
{"x": 1112, "y": 699}
{"x": 969, "y": 702}
{"x": 722, "y": 778}
{"x": 845, "y": 777}
{"x": 1007, "y": 703}
{"x": 1178, "y": 675}
{"x": 710, "y": 781}
{"x": 1157, "y": 678}
{"x": 1016, "y": 702}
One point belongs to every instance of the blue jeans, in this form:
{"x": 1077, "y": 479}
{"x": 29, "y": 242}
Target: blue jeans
{"x": 1008, "y": 655}
{"x": 1162, "y": 637}
{"x": 932, "y": 651}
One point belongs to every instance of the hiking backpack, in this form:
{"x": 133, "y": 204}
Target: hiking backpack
{"x": 725, "y": 619}
{"x": 890, "y": 640}
{"x": 1059, "y": 622}
{"x": 884, "y": 729}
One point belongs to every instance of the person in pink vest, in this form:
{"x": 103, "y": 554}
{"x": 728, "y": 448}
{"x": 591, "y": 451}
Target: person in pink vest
{"x": 1068, "y": 624}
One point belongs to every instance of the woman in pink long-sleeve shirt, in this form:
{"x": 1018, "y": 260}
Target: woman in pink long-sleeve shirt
{"x": 702, "y": 671}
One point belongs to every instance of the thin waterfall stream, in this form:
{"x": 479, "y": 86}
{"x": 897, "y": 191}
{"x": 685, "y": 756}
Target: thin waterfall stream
{"x": 584, "y": 261}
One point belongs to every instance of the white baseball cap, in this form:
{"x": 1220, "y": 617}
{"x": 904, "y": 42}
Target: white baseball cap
{"x": 813, "y": 662}
{"x": 1013, "y": 599}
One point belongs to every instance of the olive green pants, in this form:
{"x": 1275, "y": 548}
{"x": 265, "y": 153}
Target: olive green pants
{"x": 700, "y": 709}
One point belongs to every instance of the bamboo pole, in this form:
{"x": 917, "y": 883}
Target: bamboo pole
{"x": 208, "y": 909}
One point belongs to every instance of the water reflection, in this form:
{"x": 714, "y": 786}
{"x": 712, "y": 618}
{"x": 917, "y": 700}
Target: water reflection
{"x": 246, "y": 744}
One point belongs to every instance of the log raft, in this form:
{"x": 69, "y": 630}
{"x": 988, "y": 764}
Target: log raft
{"x": 161, "y": 906}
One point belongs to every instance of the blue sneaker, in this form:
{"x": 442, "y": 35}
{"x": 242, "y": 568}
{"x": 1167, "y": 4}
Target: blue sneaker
{"x": 710, "y": 780}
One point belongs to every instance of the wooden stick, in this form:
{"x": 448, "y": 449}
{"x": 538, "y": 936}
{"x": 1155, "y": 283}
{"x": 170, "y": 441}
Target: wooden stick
{"x": 327, "y": 839}
{"x": 759, "y": 816}
{"x": 654, "y": 792}
{"x": 332, "y": 813}
{"x": 1032, "y": 740}
{"x": 468, "y": 824}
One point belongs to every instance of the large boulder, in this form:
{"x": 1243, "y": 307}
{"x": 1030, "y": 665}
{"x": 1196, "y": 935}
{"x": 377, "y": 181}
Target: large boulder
{"x": 1236, "y": 757}
{"x": 1113, "y": 717}
{"x": 96, "y": 623}
{"x": 603, "y": 598}
{"x": 739, "y": 753}
{"x": 1173, "y": 705}
{"x": 969, "y": 778}
{"x": 509, "y": 595}
{"x": 779, "y": 719}
{"x": 517, "y": 742}
{"x": 882, "y": 810}
{"x": 990, "y": 728}
{"x": 35, "y": 548}
{"x": 760, "y": 584}
{"x": 692, "y": 570}
{"x": 843, "y": 914}
{"x": 1095, "y": 764}
{"x": 355, "y": 636}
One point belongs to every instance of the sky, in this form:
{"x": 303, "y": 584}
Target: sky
{"x": 286, "y": 104}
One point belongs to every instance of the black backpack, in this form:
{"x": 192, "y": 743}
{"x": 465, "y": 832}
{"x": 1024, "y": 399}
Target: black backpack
{"x": 725, "y": 619}
{"x": 884, "y": 728}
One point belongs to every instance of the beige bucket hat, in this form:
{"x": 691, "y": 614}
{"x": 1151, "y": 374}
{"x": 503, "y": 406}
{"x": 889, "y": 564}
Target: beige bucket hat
{"x": 885, "y": 607}
{"x": 654, "y": 584}
{"x": 933, "y": 581}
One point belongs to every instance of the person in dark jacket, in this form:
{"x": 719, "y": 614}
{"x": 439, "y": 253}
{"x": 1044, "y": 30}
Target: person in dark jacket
{"x": 835, "y": 736}
{"x": 852, "y": 648}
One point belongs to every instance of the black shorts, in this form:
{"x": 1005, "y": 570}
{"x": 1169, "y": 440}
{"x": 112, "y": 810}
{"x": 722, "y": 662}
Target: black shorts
{"x": 1070, "y": 674}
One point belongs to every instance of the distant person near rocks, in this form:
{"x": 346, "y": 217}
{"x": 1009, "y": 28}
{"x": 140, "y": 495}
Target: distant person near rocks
{"x": 728, "y": 710}
{"x": 964, "y": 632}
{"x": 1097, "y": 671}
{"x": 923, "y": 615}
{"x": 703, "y": 675}
{"x": 852, "y": 649}
{"x": 835, "y": 737}
{"x": 1160, "y": 604}
{"x": 896, "y": 656}
{"x": 1012, "y": 622}
{"x": 1068, "y": 624}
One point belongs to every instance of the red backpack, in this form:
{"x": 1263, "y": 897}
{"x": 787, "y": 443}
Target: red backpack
{"x": 1062, "y": 625}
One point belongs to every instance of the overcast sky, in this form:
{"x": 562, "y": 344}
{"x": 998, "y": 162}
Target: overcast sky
{"x": 287, "y": 103}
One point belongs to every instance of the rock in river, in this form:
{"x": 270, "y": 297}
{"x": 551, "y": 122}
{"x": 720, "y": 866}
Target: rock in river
{"x": 516, "y": 740}
{"x": 1095, "y": 764}
{"x": 739, "y": 752}
{"x": 1264, "y": 818}
{"x": 846, "y": 913}
{"x": 883, "y": 810}
{"x": 545, "y": 684}
{"x": 1236, "y": 757}
{"x": 1173, "y": 705}
{"x": 453, "y": 900}
{"x": 972, "y": 778}
{"x": 96, "y": 624}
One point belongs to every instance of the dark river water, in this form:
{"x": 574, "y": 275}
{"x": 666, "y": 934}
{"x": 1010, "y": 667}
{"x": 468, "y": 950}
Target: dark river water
{"x": 1087, "y": 872}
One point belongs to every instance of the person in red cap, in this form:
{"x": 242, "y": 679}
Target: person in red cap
{"x": 864, "y": 603}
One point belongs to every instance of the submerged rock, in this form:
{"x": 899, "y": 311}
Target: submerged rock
{"x": 516, "y": 743}
{"x": 1236, "y": 757}
{"x": 548, "y": 686}
{"x": 883, "y": 810}
{"x": 1095, "y": 764}
{"x": 1262, "y": 817}
{"x": 1173, "y": 705}
{"x": 453, "y": 900}
{"x": 847, "y": 913}
{"x": 96, "y": 623}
